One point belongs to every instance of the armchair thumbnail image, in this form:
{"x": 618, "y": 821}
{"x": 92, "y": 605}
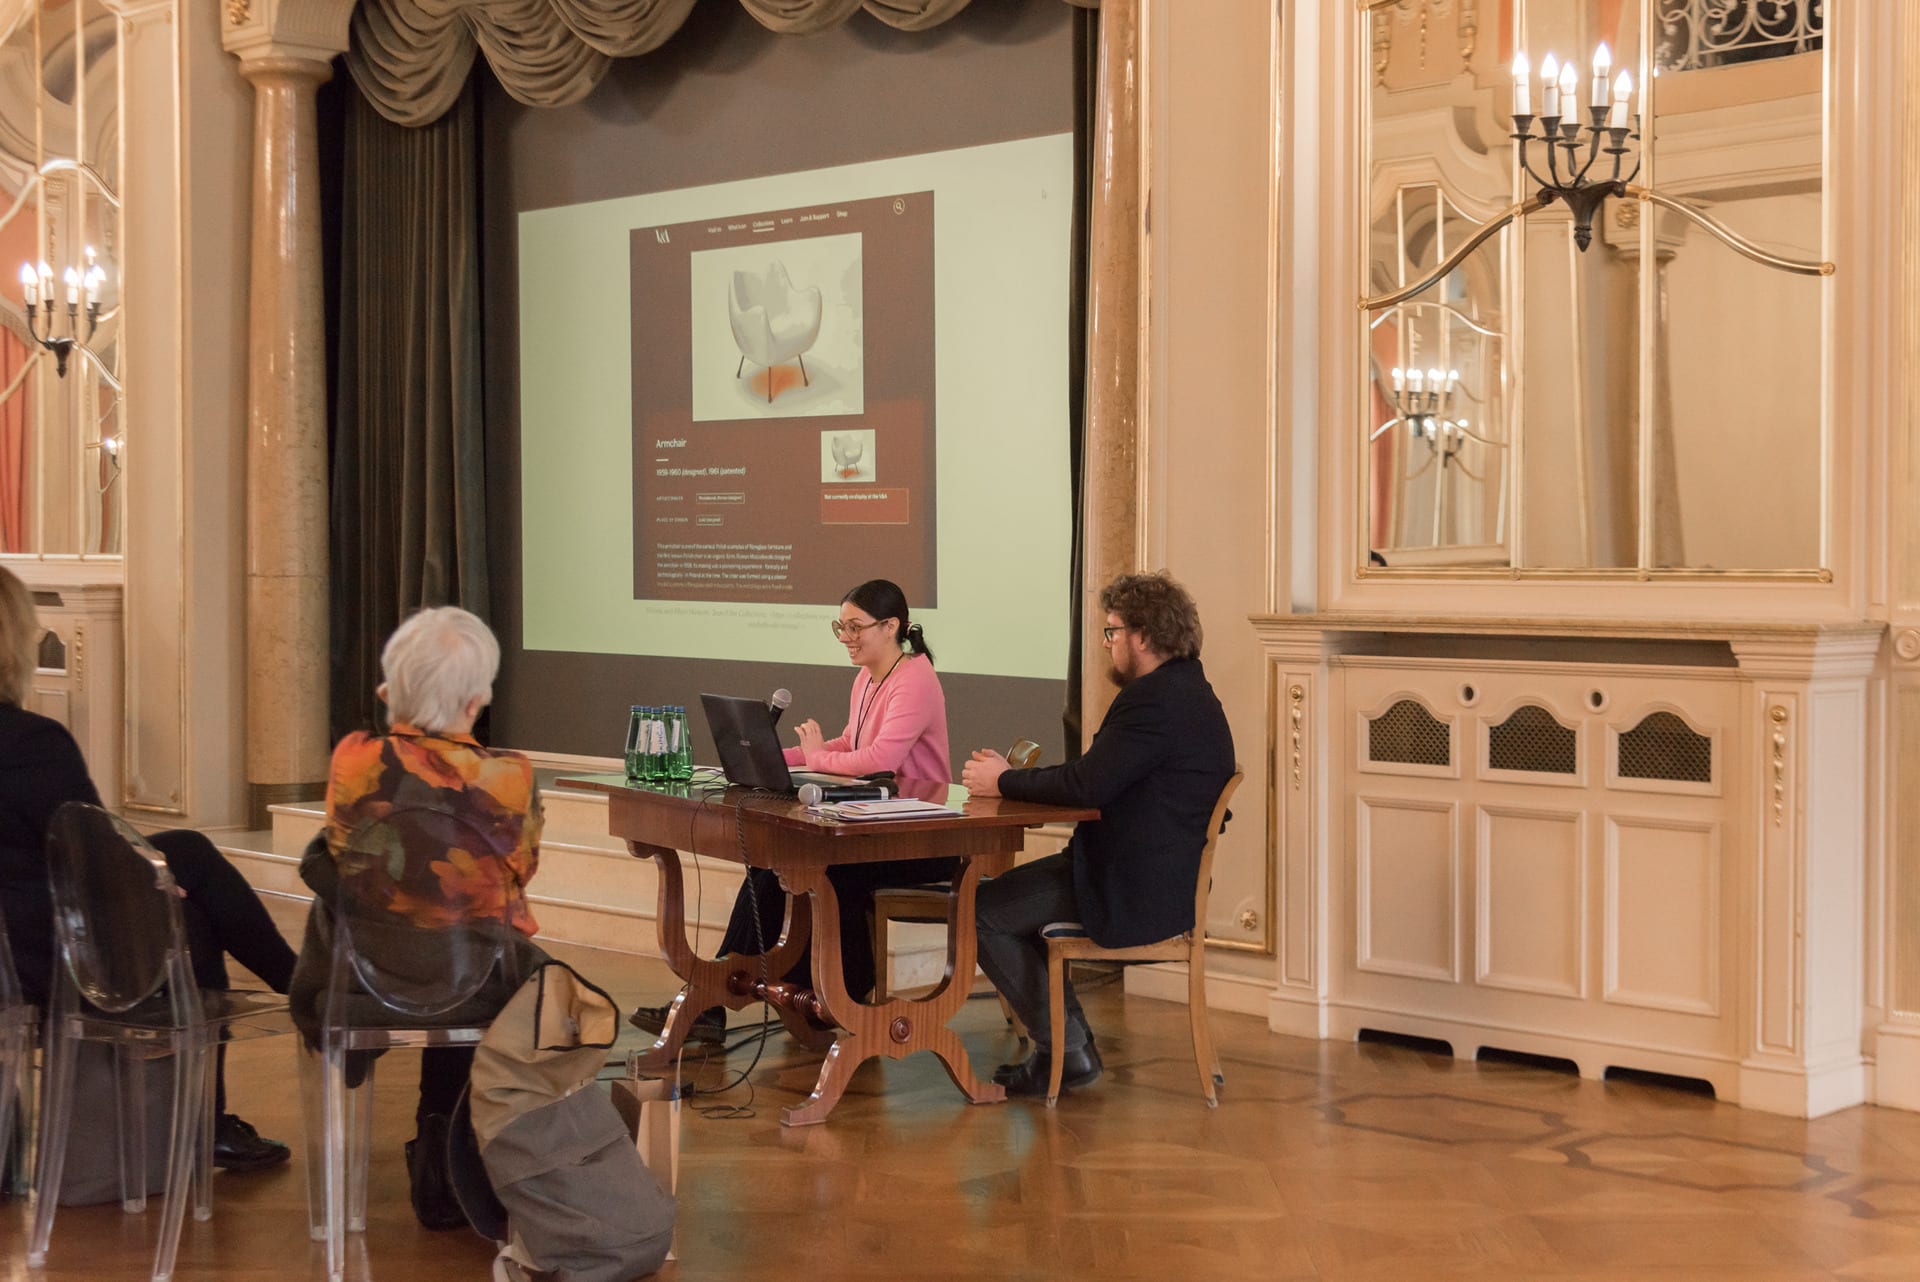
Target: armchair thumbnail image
{"x": 772, "y": 321}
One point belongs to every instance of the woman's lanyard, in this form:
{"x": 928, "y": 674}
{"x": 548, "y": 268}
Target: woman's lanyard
{"x": 860, "y": 722}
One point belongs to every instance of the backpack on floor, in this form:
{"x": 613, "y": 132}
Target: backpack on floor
{"x": 580, "y": 1203}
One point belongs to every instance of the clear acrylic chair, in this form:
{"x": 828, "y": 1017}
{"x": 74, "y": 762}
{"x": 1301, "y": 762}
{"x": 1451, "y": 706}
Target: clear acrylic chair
{"x": 123, "y": 977}
{"x": 392, "y": 984}
{"x": 19, "y": 1025}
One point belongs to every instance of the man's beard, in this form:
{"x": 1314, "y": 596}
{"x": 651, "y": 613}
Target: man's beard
{"x": 1119, "y": 678}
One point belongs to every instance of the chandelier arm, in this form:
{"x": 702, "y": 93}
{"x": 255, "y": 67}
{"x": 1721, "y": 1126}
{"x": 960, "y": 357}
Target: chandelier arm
{"x": 1468, "y": 472}
{"x": 87, "y": 171}
{"x": 100, "y": 368}
{"x": 30, "y": 188}
{"x": 1593, "y": 154}
{"x": 1732, "y": 239}
{"x": 1452, "y": 309}
{"x": 1520, "y": 209}
{"x": 1420, "y": 471}
{"x": 26, "y": 368}
{"x": 1378, "y": 432}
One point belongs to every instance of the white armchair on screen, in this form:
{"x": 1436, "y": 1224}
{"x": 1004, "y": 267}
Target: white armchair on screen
{"x": 772, "y": 321}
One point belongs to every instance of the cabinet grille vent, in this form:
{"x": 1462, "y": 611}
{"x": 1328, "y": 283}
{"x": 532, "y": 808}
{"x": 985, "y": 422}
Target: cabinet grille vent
{"x": 1409, "y": 735}
{"x": 1663, "y": 747}
{"x": 53, "y": 652}
{"x": 1532, "y": 740}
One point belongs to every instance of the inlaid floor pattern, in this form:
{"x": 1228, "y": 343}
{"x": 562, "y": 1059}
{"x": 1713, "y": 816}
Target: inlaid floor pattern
{"x": 1324, "y": 1161}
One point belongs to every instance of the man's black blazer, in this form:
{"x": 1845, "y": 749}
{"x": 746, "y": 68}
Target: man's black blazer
{"x": 40, "y": 767}
{"x": 1154, "y": 770}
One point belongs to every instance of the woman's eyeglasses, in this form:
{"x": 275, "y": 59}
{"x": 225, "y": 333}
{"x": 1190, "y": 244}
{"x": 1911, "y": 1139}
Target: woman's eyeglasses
{"x": 850, "y": 630}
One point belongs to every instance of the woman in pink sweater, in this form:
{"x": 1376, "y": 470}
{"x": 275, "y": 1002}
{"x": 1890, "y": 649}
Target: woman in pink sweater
{"x": 896, "y": 721}
{"x": 897, "y": 714}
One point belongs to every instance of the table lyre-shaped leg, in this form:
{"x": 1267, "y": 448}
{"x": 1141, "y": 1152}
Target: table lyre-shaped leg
{"x": 899, "y": 1027}
{"x": 724, "y": 981}
{"x": 946, "y": 1000}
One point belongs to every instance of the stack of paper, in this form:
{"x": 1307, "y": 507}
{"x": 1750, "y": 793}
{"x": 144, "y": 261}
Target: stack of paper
{"x": 902, "y": 808}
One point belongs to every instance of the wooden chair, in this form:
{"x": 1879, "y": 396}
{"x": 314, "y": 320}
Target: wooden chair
{"x": 1068, "y": 941}
{"x": 927, "y": 905}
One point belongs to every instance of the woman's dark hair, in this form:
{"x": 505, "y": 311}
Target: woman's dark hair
{"x": 883, "y": 599}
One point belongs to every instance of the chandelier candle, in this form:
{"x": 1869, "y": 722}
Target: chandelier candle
{"x": 1608, "y": 128}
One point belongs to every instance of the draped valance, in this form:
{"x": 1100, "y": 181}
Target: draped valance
{"x": 411, "y": 57}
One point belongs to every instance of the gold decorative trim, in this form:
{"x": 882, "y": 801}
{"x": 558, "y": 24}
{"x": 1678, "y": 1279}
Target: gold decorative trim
{"x": 77, "y": 664}
{"x": 1778, "y": 714}
{"x": 238, "y": 11}
{"x": 1421, "y": 573}
{"x": 1296, "y": 727}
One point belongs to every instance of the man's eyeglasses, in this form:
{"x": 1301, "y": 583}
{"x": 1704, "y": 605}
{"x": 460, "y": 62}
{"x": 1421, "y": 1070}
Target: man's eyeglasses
{"x": 1108, "y": 634}
{"x": 850, "y": 631}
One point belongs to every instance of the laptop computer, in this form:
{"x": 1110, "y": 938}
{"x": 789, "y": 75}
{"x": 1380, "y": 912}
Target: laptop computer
{"x": 749, "y": 750}
{"x": 743, "y": 736}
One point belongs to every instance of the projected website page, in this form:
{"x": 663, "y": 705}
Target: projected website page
{"x": 740, "y": 400}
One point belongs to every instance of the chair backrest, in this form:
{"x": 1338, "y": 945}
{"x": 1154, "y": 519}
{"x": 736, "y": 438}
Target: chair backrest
{"x": 397, "y": 924}
{"x": 1214, "y": 827}
{"x": 116, "y": 914}
{"x": 10, "y": 995}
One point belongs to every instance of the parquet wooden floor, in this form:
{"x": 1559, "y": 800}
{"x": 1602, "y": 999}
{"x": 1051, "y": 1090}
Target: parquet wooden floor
{"x": 1324, "y": 1161}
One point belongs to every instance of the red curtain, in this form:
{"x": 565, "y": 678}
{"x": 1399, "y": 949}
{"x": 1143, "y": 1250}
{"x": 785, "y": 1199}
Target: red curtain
{"x": 15, "y": 432}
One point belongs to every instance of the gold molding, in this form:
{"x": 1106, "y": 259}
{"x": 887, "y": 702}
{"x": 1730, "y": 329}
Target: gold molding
{"x": 1427, "y": 573}
{"x": 1296, "y": 726}
{"x": 1778, "y": 715}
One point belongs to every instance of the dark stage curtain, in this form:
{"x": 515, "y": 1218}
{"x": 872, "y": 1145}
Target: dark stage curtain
{"x": 1086, "y": 87}
{"x": 409, "y": 519}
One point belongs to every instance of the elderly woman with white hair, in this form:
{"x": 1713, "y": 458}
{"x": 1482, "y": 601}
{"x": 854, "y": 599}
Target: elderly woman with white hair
{"x": 439, "y": 667}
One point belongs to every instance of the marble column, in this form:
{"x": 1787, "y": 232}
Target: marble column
{"x": 286, "y": 51}
{"x": 286, "y": 444}
{"x": 1116, "y": 314}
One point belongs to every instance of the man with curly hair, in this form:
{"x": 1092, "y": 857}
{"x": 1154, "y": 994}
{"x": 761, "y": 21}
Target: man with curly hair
{"x": 1154, "y": 770}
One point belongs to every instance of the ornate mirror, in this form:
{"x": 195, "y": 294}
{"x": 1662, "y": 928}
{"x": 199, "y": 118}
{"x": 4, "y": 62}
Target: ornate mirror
{"x": 62, "y": 444}
{"x": 1561, "y": 378}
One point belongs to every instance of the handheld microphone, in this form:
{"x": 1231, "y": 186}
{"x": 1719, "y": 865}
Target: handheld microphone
{"x": 777, "y": 703}
{"x": 814, "y": 794}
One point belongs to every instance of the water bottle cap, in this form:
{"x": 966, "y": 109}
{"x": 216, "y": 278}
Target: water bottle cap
{"x": 639, "y": 707}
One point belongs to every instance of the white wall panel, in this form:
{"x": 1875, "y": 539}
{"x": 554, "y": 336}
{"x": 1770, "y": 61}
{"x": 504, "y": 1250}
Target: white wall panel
{"x": 1407, "y": 874}
{"x": 1663, "y": 915}
{"x": 1531, "y": 900}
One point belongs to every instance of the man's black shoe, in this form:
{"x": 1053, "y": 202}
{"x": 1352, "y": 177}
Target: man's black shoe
{"x": 709, "y": 1026}
{"x": 239, "y": 1148}
{"x": 434, "y": 1204}
{"x": 1029, "y": 1077}
{"x": 1007, "y": 1071}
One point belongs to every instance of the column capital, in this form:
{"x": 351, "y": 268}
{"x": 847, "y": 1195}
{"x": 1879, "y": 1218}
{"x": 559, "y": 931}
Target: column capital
{"x": 285, "y": 36}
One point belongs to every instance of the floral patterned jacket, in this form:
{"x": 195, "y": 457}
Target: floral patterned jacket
{"x": 472, "y": 841}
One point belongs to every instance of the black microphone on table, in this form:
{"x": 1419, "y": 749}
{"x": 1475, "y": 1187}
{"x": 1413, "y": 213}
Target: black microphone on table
{"x": 814, "y": 794}
{"x": 777, "y": 703}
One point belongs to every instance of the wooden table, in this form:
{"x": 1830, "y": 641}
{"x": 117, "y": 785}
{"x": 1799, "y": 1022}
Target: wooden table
{"x": 659, "y": 821}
